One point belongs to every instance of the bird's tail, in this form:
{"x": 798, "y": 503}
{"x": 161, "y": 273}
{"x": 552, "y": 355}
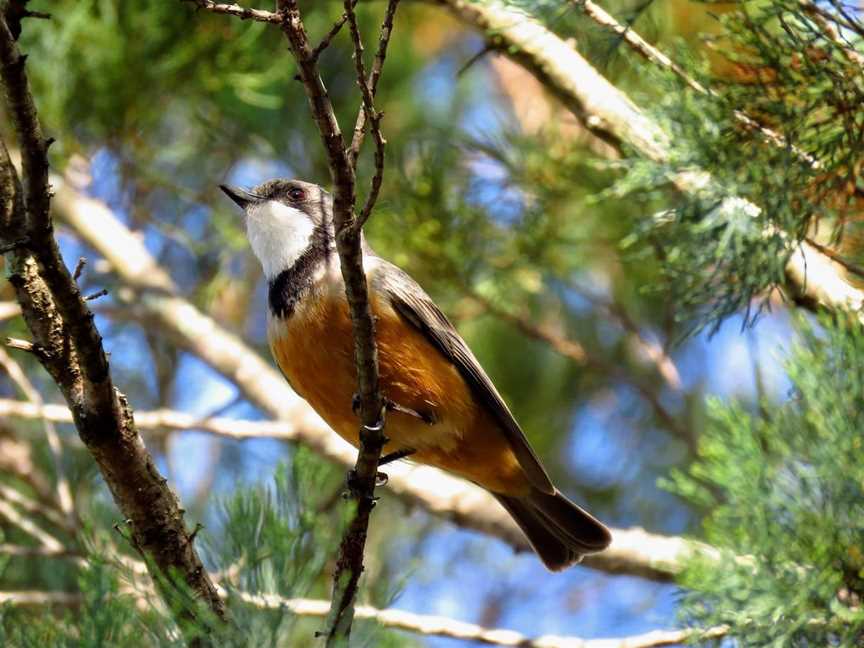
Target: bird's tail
{"x": 560, "y": 532}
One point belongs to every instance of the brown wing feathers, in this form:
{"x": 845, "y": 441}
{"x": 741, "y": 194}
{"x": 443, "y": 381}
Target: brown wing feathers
{"x": 412, "y": 303}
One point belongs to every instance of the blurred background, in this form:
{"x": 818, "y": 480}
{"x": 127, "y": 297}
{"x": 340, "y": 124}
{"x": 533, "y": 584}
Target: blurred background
{"x": 494, "y": 199}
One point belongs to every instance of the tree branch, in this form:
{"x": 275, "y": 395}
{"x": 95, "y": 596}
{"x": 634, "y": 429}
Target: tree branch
{"x": 439, "y": 626}
{"x": 349, "y": 565}
{"x": 634, "y": 551}
{"x": 654, "y": 55}
{"x": 367, "y": 109}
{"x": 236, "y": 10}
{"x": 37, "y": 598}
{"x": 69, "y": 346}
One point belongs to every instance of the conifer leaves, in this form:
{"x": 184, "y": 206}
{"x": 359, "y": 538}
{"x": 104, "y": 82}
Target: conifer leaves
{"x": 786, "y": 488}
{"x": 784, "y": 71}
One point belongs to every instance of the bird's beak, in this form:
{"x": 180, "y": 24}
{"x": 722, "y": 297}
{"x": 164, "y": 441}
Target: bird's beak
{"x": 239, "y": 196}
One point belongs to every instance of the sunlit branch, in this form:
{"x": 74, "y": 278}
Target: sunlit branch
{"x": 52, "y": 514}
{"x": 634, "y": 551}
{"x": 64, "y": 492}
{"x": 45, "y": 539}
{"x": 439, "y": 626}
{"x": 236, "y": 10}
{"x": 611, "y": 115}
{"x": 27, "y": 598}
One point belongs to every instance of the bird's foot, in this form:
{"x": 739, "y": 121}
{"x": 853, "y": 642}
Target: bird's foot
{"x": 354, "y": 489}
{"x": 381, "y": 478}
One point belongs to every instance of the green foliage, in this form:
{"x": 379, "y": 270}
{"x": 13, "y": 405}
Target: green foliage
{"x": 729, "y": 244}
{"x": 784, "y": 495}
{"x": 106, "y": 616}
{"x": 273, "y": 540}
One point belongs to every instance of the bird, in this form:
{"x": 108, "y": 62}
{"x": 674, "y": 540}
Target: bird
{"x": 443, "y": 409}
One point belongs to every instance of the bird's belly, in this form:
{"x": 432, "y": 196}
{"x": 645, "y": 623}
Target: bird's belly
{"x": 315, "y": 351}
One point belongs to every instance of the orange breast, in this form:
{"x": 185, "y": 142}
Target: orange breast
{"x": 315, "y": 351}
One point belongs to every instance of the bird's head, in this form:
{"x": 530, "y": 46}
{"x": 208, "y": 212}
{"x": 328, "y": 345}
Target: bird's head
{"x": 285, "y": 219}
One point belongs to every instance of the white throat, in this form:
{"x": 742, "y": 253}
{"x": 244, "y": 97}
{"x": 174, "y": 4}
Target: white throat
{"x": 278, "y": 234}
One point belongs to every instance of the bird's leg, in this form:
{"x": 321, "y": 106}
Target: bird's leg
{"x": 389, "y": 405}
{"x": 427, "y": 417}
{"x": 396, "y": 455}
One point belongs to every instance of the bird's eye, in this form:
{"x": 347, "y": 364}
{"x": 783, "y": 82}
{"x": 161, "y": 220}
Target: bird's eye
{"x": 296, "y": 194}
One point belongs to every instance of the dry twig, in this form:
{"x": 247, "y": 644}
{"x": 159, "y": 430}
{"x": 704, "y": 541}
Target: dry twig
{"x": 634, "y": 551}
{"x": 236, "y": 10}
{"x": 367, "y": 110}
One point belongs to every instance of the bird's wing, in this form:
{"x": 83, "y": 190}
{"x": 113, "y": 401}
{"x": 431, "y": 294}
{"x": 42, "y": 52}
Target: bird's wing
{"x": 412, "y": 303}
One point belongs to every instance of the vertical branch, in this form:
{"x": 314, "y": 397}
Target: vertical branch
{"x": 348, "y": 244}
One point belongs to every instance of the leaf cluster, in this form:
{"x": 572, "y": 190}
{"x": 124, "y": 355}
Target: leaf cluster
{"x": 775, "y": 68}
{"x": 784, "y": 495}
{"x": 271, "y": 539}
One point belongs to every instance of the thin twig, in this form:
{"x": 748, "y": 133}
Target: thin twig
{"x": 576, "y": 352}
{"x": 236, "y": 10}
{"x": 654, "y": 55}
{"x": 831, "y": 254}
{"x": 664, "y": 364}
{"x": 330, "y": 35}
{"x": 368, "y": 104}
{"x": 21, "y": 345}
{"x": 473, "y": 59}
{"x": 827, "y": 23}
{"x": 96, "y": 295}
{"x": 79, "y": 268}
{"x": 372, "y": 81}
